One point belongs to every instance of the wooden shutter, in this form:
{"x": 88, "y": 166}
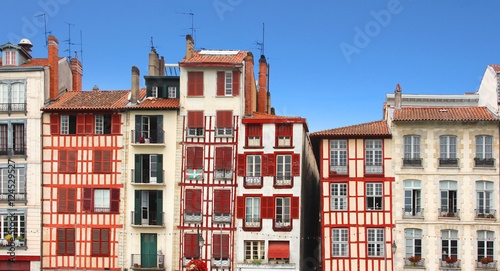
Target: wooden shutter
{"x": 71, "y": 162}
{"x": 189, "y": 201}
{"x": 221, "y": 83}
{"x": 199, "y": 84}
{"x": 226, "y": 202}
{"x": 89, "y": 124}
{"x": 284, "y": 130}
{"x": 264, "y": 165}
{"x": 296, "y": 164}
{"x": 196, "y": 201}
{"x": 159, "y": 168}
{"x": 159, "y": 207}
{"x": 191, "y": 118}
{"x": 267, "y": 207}
{"x": 106, "y": 161}
{"x": 137, "y": 207}
{"x": 115, "y": 123}
{"x": 105, "y": 242}
{"x": 241, "y": 165}
{"x": 225, "y": 246}
{"x": 236, "y": 82}
{"x": 218, "y": 201}
{"x": 87, "y": 199}
{"x": 225, "y": 118}
{"x": 96, "y": 242}
{"x": 159, "y": 128}
{"x": 62, "y": 200}
{"x": 190, "y": 245}
{"x": 271, "y": 168}
{"x": 219, "y": 157}
{"x": 97, "y": 161}
{"x": 228, "y": 157}
{"x": 198, "y": 119}
{"x": 220, "y": 241}
{"x": 70, "y": 241}
{"x": 63, "y": 161}
{"x": 240, "y": 207}
{"x": 191, "y": 83}
{"x": 71, "y": 200}
{"x": 80, "y": 124}
{"x": 54, "y": 124}
{"x": 295, "y": 208}
{"x": 115, "y": 200}
{"x": 216, "y": 246}
{"x": 138, "y": 128}
{"x": 254, "y": 130}
{"x": 61, "y": 241}
{"x": 198, "y": 157}
{"x": 137, "y": 169}
{"x": 190, "y": 157}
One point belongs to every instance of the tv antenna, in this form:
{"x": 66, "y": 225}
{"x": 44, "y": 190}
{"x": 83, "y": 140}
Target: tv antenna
{"x": 190, "y": 13}
{"x": 261, "y": 44}
{"x": 45, "y": 24}
{"x": 69, "y": 40}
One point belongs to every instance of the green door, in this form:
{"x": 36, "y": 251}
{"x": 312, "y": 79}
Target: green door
{"x": 148, "y": 250}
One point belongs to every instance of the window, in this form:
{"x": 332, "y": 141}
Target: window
{"x": 102, "y": 124}
{"x": 192, "y": 210}
{"x": 340, "y": 242}
{"x": 484, "y": 192}
{"x": 65, "y": 241}
{"x": 284, "y": 169}
{"x": 102, "y": 161}
{"x": 223, "y": 163}
{"x": 374, "y": 196}
{"x": 148, "y": 168}
{"x": 19, "y": 175}
{"x": 195, "y": 123}
{"x": 148, "y": 129}
{"x": 338, "y": 156}
{"x": 13, "y": 220}
{"x": 67, "y": 161}
{"x": 283, "y": 135}
{"x": 100, "y": 242}
{"x": 194, "y": 157}
{"x": 448, "y": 151}
{"x": 254, "y": 250}
{"x": 484, "y": 147}
{"x": 252, "y": 212}
{"x": 412, "y": 151}
{"x": 68, "y": 124}
{"x": 191, "y": 249}
{"x": 4, "y": 132}
{"x": 254, "y": 165}
{"x": 224, "y": 123}
{"x": 220, "y": 246}
{"x": 12, "y": 95}
{"x": 12, "y": 138}
{"x": 338, "y": 197}
{"x": 413, "y": 201}
{"x": 10, "y": 57}
{"x": 373, "y": 156}
{"x": 66, "y": 200}
{"x": 254, "y": 135}
{"x": 448, "y": 198}
{"x": 195, "y": 83}
{"x": 154, "y": 91}
{"x": 222, "y": 205}
{"x": 101, "y": 200}
{"x": 485, "y": 245}
{"x": 413, "y": 243}
{"x": 172, "y": 92}
{"x": 18, "y": 136}
{"x": 449, "y": 244}
{"x": 228, "y": 83}
{"x": 375, "y": 242}
{"x": 148, "y": 208}
{"x": 282, "y": 216}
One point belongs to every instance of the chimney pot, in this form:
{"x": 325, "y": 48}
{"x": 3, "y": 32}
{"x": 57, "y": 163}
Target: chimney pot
{"x": 76, "y": 70}
{"x": 262, "y": 95}
{"x": 397, "y": 97}
{"x": 134, "y": 93}
{"x": 54, "y": 67}
{"x": 189, "y": 47}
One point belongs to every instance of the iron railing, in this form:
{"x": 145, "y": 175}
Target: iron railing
{"x": 409, "y": 263}
{"x": 148, "y": 261}
{"x": 445, "y": 212}
{"x": 412, "y": 162}
{"x": 448, "y": 162}
{"x": 147, "y": 218}
{"x": 12, "y": 107}
{"x": 339, "y": 170}
{"x": 147, "y": 136}
{"x": 487, "y": 162}
{"x": 490, "y": 265}
{"x": 485, "y": 213}
{"x": 146, "y": 176}
{"x": 413, "y": 212}
{"x": 444, "y": 263}
{"x": 374, "y": 169}
{"x": 253, "y": 181}
{"x": 17, "y": 151}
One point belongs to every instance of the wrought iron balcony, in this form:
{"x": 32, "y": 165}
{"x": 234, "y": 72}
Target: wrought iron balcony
{"x": 17, "y": 196}
{"x": 486, "y": 162}
{"x": 283, "y": 180}
{"x": 448, "y": 162}
{"x": 147, "y": 218}
{"x": 147, "y": 176}
{"x": 148, "y": 262}
{"x": 420, "y": 263}
{"x": 12, "y": 107}
{"x": 17, "y": 151}
{"x": 223, "y": 174}
{"x": 374, "y": 169}
{"x": 101, "y": 210}
{"x": 447, "y": 213}
{"x": 450, "y": 263}
{"x": 413, "y": 212}
{"x": 486, "y": 264}
{"x": 253, "y": 181}
{"x": 282, "y": 224}
{"x": 412, "y": 162}
{"x": 338, "y": 170}
{"x": 252, "y": 222}
{"x": 485, "y": 213}
{"x": 222, "y": 218}
{"x": 224, "y": 262}
{"x": 193, "y": 217}
{"x": 147, "y": 137}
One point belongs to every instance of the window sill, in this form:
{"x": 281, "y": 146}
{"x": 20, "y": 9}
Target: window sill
{"x": 492, "y": 168}
{"x": 147, "y": 144}
{"x": 195, "y": 136}
{"x": 252, "y": 229}
{"x": 449, "y": 217}
{"x": 374, "y": 210}
{"x": 149, "y": 184}
{"x": 284, "y": 147}
{"x": 225, "y": 96}
{"x": 253, "y": 147}
{"x": 195, "y": 96}
{"x": 147, "y": 226}
{"x": 224, "y": 136}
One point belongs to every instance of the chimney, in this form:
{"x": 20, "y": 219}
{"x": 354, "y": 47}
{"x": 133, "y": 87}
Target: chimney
{"x": 250, "y": 91}
{"x": 269, "y": 102}
{"x": 54, "y": 66}
{"x": 162, "y": 66}
{"x": 189, "y": 47}
{"x": 397, "y": 98}
{"x": 262, "y": 96}
{"x": 76, "y": 70}
{"x": 135, "y": 85}
{"x": 153, "y": 63}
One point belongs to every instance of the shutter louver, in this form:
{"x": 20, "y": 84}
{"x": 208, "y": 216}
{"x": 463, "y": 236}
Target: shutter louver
{"x": 159, "y": 207}
{"x": 97, "y": 161}
{"x": 264, "y": 165}
{"x": 61, "y": 196}
{"x": 115, "y": 124}
{"x": 191, "y": 83}
{"x": 104, "y": 241}
{"x": 226, "y": 202}
{"x": 80, "y": 124}
{"x": 296, "y": 164}
{"x": 199, "y": 119}
{"x": 198, "y": 157}
{"x": 71, "y": 200}
{"x": 106, "y": 161}
{"x": 87, "y": 199}
{"x": 197, "y": 201}
{"x": 54, "y": 124}
{"x": 70, "y": 241}
{"x": 159, "y": 168}
{"x": 236, "y": 82}
{"x": 189, "y": 201}
{"x": 137, "y": 207}
{"x": 271, "y": 169}
{"x": 89, "y": 124}
{"x": 218, "y": 201}
{"x": 61, "y": 241}
{"x": 96, "y": 244}
{"x": 219, "y": 157}
{"x": 295, "y": 208}
{"x": 221, "y": 79}
{"x": 227, "y": 157}
{"x": 240, "y": 207}
{"x": 115, "y": 200}
{"x": 190, "y": 157}
{"x": 217, "y": 246}
{"x": 241, "y": 165}
{"x": 63, "y": 161}
{"x": 71, "y": 162}
{"x": 191, "y": 119}
{"x": 225, "y": 246}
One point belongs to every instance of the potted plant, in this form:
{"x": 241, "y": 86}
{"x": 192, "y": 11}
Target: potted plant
{"x": 490, "y": 216}
{"x": 486, "y": 260}
{"x": 196, "y": 265}
{"x": 481, "y": 215}
{"x": 414, "y": 260}
{"x": 451, "y": 260}
{"x": 8, "y": 238}
{"x": 450, "y": 214}
{"x": 256, "y": 261}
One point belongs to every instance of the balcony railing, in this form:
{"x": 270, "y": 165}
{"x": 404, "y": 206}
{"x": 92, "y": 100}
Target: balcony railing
{"x": 448, "y": 162}
{"x": 443, "y": 263}
{"x": 217, "y": 262}
{"x": 283, "y": 181}
{"x": 148, "y": 261}
{"x": 192, "y": 217}
{"x": 282, "y": 224}
{"x": 101, "y": 209}
{"x": 222, "y": 218}
{"x": 253, "y": 181}
{"x": 484, "y": 213}
{"x": 413, "y": 212}
{"x": 447, "y": 213}
{"x": 252, "y": 222}
{"x": 18, "y": 151}
{"x": 195, "y": 131}
{"x": 490, "y": 265}
{"x": 147, "y": 136}
{"x": 338, "y": 170}
{"x": 412, "y": 162}
{"x": 12, "y": 107}
{"x": 18, "y": 196}
{"x": 147, "y": 218}
{"x": 420, "y": 263}
{"x": 487, "y": 162}
{"x": 147, "y": 176}
{"x": 223, "y": 174}
{"x": 374, "y": 169}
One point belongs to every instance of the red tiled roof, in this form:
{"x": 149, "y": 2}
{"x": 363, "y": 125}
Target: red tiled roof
{"x": 156, "y": 104}
{"x": 259, "y": 115}
{"x": 33, "y": 62}
{"x": 90, "y": 100}
{"x": 496, "y": 67}
{"x": 375, "y": 128}
{"x": 213, "y": 58}
{"x": 443, "y": 114}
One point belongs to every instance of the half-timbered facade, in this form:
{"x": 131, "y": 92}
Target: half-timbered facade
{"x": 356, "y": 196}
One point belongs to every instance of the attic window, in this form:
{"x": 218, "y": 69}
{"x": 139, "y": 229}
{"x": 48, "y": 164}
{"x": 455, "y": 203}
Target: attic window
{"x": 443, "y": 110}
{"x": 10, "y": 57}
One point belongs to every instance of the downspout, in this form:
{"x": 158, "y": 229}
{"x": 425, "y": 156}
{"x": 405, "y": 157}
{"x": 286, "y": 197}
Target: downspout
{"x": 124, "y": 181}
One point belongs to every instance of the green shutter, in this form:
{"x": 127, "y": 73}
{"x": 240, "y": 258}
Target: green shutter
{"x": 148, "y": 91}
{"x": 159, "y": 168}
{"x": 159, "y": 206}
{"x": 137, "y": 209}
{"x": 137, "y": 128}
{"x": 137, "y": 169}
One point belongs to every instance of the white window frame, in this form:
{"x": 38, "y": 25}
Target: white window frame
{"x": 18, "y": 92}
{"x": 412, "y": 189}
{"x": 172, "y": 92}
{"x": 484, "y": 147}
{"x": 17, "y": 223}
{"x": 484, "y": 197}
{"x": 64, "y": 124}
{"x": 413, "y": 243}
{"x": 4, "y": 93}
{"x": 255, "y": 250}
{"x": 484, "y": 239}
{"x": 252, "y": 211}
{"x": 10, "y": 57}
{"x": 254, "y": 165}
{"x": 374, "y": 191}
{"x": 445, "y": 187}
{"x": 338, "y": 152}
{"x": 373, "y": 152}
{"x": 448, "y": 147}
{"x": 20, "y": 181}
{"x": 254, "y": 141}
{"x": 375, "y": 242}
{"x": 448, "y": 237}
{"x": 228, "y": 84}
{"x": 338, "y": 197}
{"x": 99, "y": 124}
{"x": 154, "y": 91}
{"x": 283, "y": 169}
{"x": 102, "y": 200}
{"x": 282, "y": 212}
{"x": 412, "y": 147}
{"x": 340, "y": 242}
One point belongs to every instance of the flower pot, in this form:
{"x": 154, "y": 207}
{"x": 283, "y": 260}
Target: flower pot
{"x": 413, "y": 264}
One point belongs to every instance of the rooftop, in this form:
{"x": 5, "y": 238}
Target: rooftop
{"x": 90, "y": 100}
{"x": 444, "y": 114}
{"x": 375, "y": 128}
{"x": 216, "y": 56}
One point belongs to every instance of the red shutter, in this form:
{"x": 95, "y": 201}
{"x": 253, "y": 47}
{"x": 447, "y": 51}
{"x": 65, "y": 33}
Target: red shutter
{"x": 96, "y": 244}
{"x": 295, "y": 207}
{"x": 54, "y": 124}
{"x": 190, "y": 119}
{"x": 71, "y": 200}
{"x": 191, "y": 83}
{"x": 216, "y": 246}
{"x": 218, "y": 242}
{"x": 264, "y": 165}
{"x": 228, "y": 118}
{"x": 97, "y": 161}
{"x": 197, "y": 201}
{"x": 190, "y": 157}
{"x": 71, "y": 162}
{"x": 296, "y": 164}
{"x": 70, "y": 241}
{"x": 236, "y": 82}
{"x": 263, "y": 208}
{"x": 61, "y": 241}
{"x": 189, "y": 201}
{"x": 240, "y": 207}
{"x": 225, "y": 246}
{"x": 106, "y": 161}
{"x": 254, "y": 130}
{"x": 271, "y": 168}
{"x": 198, "y": 119}
{"x": 104, "y": 242}
{"x": 87, "y": 199}
{"x": 80, "y": 124}
{"x": 115, "y": 124}
{"x": 198, "y": 157}
{"x": 62, "y": 200}
{"x": 220, "y": 119}
{"x": 63, "y": 161}
{"x": 241, "y": 165}
{"x": 89, "y": 124}
{"x": 218, "y": 201}
{"x": 226, "y": 202}
{"x": 284, "y": 130}
{"x": 115, "y": 200}
{"x": 221, "y": 82}
{"x": 199, "y": 84}
{"x": 228, "y": 157}
{"x": 268, "y": 207}
{"x": 219, "y": 157}
{"x": 190, "y": 241}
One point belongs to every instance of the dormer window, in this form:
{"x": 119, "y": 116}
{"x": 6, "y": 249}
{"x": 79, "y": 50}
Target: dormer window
{"x": 154, "y": 91}
{"x": 10, "y": 58}
{"x": 172, "y": 92}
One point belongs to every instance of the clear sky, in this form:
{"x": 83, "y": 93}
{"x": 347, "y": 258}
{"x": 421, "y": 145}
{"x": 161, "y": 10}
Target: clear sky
{"x": 332, "y": 62}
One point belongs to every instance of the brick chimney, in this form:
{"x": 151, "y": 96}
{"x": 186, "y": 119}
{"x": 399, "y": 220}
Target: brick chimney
{"x": 189, "y": 47}
{"x": 262, "y": 95}
{"x": 76, "y": 70}
{"x": 153, "y": 63}
{"x": 250, "y": 91}
{"x": 397, "y": 98}
{"x": 54, "y": 67}
{"x": 134, "y": 94}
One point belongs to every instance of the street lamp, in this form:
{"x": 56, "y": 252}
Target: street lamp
{"x": 200, "y": 242}
{"x": 394, "y": 248}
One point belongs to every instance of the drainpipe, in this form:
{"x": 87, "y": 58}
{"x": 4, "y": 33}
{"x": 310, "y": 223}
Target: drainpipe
{"x": 124, "y": 182}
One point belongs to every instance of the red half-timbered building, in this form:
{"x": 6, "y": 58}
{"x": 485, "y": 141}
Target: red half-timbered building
{"x": 356, "y": 203}
{"x": 82, "y": 181}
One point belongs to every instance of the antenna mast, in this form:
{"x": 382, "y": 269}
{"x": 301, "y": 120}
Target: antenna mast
{"x": 45, "y": 24}
{"x": 69, "y": 40}
{"x": 261, "y": 44}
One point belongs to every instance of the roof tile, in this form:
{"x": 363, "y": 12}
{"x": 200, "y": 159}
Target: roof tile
{"x": 204, "y": 58}
{"x": 85, "y": 100}
{"x": 496, "y": 67}
{"x": 375, "y": 128}
{"x": 259, "y": 115}
{"x": 444, "y": 114}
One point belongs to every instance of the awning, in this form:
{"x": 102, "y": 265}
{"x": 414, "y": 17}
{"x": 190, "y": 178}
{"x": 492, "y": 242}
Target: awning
{"x": 278, "y": 249}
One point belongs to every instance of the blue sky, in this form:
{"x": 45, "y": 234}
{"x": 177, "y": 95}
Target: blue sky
{"x": 332, "y": 62}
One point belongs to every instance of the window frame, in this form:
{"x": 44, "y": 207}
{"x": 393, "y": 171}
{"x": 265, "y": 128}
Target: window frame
{"x": 338, "y": 199}
{"x": 487, "y": 201}
{"x": 21, "y": 218}
{"x": 256, "y": 250}
{"x": 374, "y": 154}
{"x": 154, "y": 91}
{"x": 102, "y": 203}
{"x": 253, "y": 137}
{"x": 99, "y": 242}
{"x": 486, "y": 238}
{"x": 413, "y": 240}
{"x": 338, "y": 155}
{"x": 446, "y": 186}
{"x": 224, "y": 123}
{"x": 378, "y": 248}
{"x": 447, "y": 239}
{"x": 172, "y": 92}
{"x": 482, "y": 146}
{"x": 284, "y": 136}
{"x": 415, "y": 204}
{"x": 69, "y": 233}
{"x": 106, "y": 165}
{"x": 447, "y": 148}
{"x": 195, "y": 123}
{"x": 21, "y": 183}
{"x": 281, "y": 173}
{"x": 411, "y": 146}
{"x": 375, "y": 195}
{"x": 340, "y": 242}
{"x": 283, "y": 211}
{"x": 255, "y": 213}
